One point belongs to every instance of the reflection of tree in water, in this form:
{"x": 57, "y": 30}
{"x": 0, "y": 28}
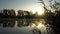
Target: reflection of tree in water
{"x": 11, "y": 23}
{"x": 22, "y": 22}
{"x": 39, "y": 26}
{"x": 35, "y": 31}
{"x": 7, "y": 23}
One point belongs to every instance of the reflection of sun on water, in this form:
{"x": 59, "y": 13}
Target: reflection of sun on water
{"x": 43, "y": 27}
{"x": 39, "y": 25}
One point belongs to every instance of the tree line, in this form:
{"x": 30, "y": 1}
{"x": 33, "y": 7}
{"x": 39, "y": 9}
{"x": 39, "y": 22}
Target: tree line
{"x": 11, "y": 13}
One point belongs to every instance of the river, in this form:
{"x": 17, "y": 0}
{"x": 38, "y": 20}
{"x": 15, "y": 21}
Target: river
{"x": 25, "y": 26}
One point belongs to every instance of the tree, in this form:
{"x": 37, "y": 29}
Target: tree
{"x": 55, "y": 11}
{"x": 20, "y": 13}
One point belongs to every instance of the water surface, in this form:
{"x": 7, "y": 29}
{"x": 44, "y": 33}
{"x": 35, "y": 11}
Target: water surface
{"x": 25, "y": 26}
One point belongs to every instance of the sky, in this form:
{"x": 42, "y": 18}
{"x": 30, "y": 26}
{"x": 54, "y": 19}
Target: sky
{"x": 20, "y": 4}
{"x": 17, "y": 4}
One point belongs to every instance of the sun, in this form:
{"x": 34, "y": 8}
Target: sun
{"x": 35, "y": 8}
{"x": 38, "y": 9}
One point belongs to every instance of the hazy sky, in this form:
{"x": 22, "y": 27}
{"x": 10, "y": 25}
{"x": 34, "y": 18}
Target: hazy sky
{"x": 19, "y": 4}
{"x": 16, "y": 4}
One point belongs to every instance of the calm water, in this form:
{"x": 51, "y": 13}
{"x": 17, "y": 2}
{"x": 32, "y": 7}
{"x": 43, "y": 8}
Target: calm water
{"x": 25, "y": 26}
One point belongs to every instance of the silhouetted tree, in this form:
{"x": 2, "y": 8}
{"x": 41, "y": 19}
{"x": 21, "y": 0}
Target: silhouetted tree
{"x": 52, "y": 15}
{"x": 8, "y": 13}
{"x": 13, "y": 12}
{"x": 20, "y": 13}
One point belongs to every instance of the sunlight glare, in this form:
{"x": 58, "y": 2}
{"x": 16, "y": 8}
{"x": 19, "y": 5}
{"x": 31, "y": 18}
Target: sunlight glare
{"x": 41, "y": 26}
{"x": 39, "y": 10}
